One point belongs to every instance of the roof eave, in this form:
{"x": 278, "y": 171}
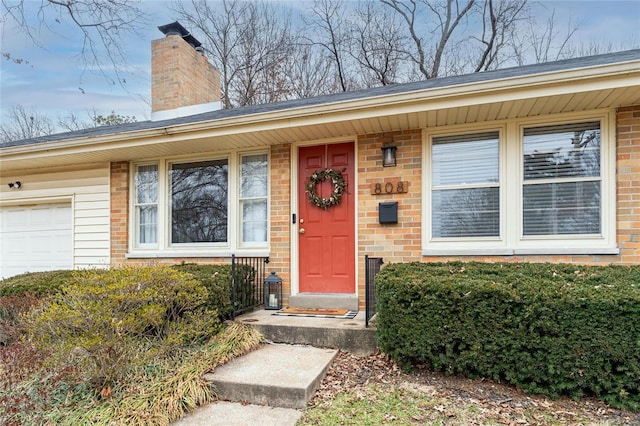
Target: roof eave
{"x": 600, "y": 76}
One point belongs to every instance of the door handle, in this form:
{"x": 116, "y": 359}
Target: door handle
{"x": 301, "y": 221}
{"x": 301, "y": 230}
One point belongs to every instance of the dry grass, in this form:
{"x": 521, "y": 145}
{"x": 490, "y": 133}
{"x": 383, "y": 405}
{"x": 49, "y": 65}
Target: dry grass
{"x": 372, "y": 390}
{"x": 155, "y": 394}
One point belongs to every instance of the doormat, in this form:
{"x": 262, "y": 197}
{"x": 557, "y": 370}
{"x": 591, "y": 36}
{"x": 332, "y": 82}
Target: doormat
{"x": 317, "y": 313}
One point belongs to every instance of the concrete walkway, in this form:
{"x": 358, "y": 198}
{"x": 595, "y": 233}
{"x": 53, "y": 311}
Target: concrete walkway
{"x": 224, "y": 413}
{"x": 265, "y": 387}
{"x": 272, "y": 385}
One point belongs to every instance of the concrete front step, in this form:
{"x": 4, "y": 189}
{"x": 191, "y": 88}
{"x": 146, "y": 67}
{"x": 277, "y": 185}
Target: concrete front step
{"x": 324, "y": 300}
{"x": 224, "y": 413}
{"x": 275, "y": 375}
{"x": 346, "y": 334}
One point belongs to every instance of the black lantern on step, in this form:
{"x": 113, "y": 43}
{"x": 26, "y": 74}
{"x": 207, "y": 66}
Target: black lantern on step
{"x": 273, "y": 292}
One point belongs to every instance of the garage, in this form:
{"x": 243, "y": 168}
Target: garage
{"x": 35, "y": 238}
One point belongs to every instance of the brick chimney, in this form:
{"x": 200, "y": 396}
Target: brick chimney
{"x": 183, "y": 82}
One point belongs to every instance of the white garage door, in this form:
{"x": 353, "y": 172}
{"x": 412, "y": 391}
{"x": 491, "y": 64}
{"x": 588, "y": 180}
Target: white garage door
{"x": 35, "y": 238}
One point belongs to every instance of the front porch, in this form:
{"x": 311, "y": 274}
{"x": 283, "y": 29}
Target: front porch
{"x": 253, "y": 288}
{"x": 351, "y": 335}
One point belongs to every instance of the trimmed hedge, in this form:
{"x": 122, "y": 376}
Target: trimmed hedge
{"x": 554, "y": 329}
{"x": 217, "y": 280}
{"x": 35, "y": 283}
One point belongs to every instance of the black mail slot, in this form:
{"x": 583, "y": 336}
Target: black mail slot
{"x": 388, "y": 212}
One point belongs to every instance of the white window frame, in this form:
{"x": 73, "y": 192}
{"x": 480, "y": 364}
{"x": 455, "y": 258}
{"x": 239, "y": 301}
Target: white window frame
{"x": 265, "y": 197}
{"x": 164, "y": 247}
{"x": 512, "y": 241}
{"x": 437, "y": 188}
{"x": 134, "y": 210}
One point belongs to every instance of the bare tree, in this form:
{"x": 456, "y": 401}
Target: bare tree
{"x": 265, "y": 44}
{"x": 499, "y": 20}
{"x": 445, "y": 39}
{"x": 378, "y": 45}
{"x": 310, "y": 73}
{"x": 248, "y": 42}
{"x": 329, "y": 29}
{"x": 103, "y": 27}
{"x": 25, "y": 123}
{"x": 444, "y": 17}
{"x": 533, "y": 42}
{"x": 73, "y": 122}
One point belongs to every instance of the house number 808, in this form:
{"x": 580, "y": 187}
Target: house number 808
{"x": 389, "y": 187}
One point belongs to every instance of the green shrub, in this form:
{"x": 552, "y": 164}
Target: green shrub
{"x": 35, "y": 283}
{"x": 550, "y": 329}
{"x": 111, "y": 320}
{"x": 217, "y": 280}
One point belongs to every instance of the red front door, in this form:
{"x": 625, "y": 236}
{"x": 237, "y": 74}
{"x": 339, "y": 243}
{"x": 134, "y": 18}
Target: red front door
{"x": 327, "y": 237}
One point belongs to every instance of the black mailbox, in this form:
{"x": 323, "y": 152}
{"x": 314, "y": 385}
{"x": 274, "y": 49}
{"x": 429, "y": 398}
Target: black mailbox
{"x": 388, "y": 212}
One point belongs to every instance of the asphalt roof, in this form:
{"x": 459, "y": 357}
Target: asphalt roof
{"x": 563, "y": 65}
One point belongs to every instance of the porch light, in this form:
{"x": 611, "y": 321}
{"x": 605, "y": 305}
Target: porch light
{"x": 273, "y": 292}
{"x": 389, "y": 156}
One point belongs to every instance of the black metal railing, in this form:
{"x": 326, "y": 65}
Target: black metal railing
{"x": 372, "y": 266}
{"x": 247, "y": 283}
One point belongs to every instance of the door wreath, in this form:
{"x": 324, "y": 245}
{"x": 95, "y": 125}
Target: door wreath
{"x": 339, "y": 187}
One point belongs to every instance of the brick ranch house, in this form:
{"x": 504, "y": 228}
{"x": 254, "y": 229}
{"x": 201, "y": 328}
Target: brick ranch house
{"x": 539, "y": 163}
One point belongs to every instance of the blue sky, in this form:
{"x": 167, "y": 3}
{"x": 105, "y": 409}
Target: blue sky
{"x": 54, "y": 83}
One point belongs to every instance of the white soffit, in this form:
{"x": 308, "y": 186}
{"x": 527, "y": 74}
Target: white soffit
{"x": 565, "y": 91}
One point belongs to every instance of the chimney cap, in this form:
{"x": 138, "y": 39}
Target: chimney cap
{"x": 175, "y": 28}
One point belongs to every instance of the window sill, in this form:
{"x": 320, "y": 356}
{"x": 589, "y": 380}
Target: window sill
{"x": 196, "y": 254}
{"x": 549, "y": 251}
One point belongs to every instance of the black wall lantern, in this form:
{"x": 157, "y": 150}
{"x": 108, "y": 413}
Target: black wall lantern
{"x": 389, "y": 156}
{"x": 273, "y": 292}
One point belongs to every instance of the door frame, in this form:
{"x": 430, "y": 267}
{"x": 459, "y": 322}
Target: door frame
{"x": 353, "y": 190}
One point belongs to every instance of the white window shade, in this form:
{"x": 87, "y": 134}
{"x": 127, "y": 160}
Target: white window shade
{"x": 465, "y": 192}
{"x": 562, "y": 180}
{"x": 146, "y": 204}
{"x": 253, "y": 199}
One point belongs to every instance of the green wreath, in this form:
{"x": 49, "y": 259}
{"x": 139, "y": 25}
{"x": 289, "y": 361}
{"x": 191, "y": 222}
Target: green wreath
{"x": 339, "y": 187}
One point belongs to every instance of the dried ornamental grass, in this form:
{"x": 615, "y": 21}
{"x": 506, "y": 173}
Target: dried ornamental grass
{"x": 171, "y": 396}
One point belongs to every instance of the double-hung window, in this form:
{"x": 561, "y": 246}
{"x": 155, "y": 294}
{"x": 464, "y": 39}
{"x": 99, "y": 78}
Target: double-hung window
{"x": 561, "y": 180}
{"x": 531, "y": 187}
{"x": 253, "y": 199}
{"x": 146, "y": 205}
{"x": 465, "y": 186}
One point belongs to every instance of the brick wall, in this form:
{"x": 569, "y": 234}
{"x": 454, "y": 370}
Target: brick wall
{"x": 280, "y": 177}
{"x": 402, "y": 242}
{"x": 119, "y": 211}
{"x": 393, "y": 242}
{"x": 628, "y": 183}
{"x": 180, "y": 76}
